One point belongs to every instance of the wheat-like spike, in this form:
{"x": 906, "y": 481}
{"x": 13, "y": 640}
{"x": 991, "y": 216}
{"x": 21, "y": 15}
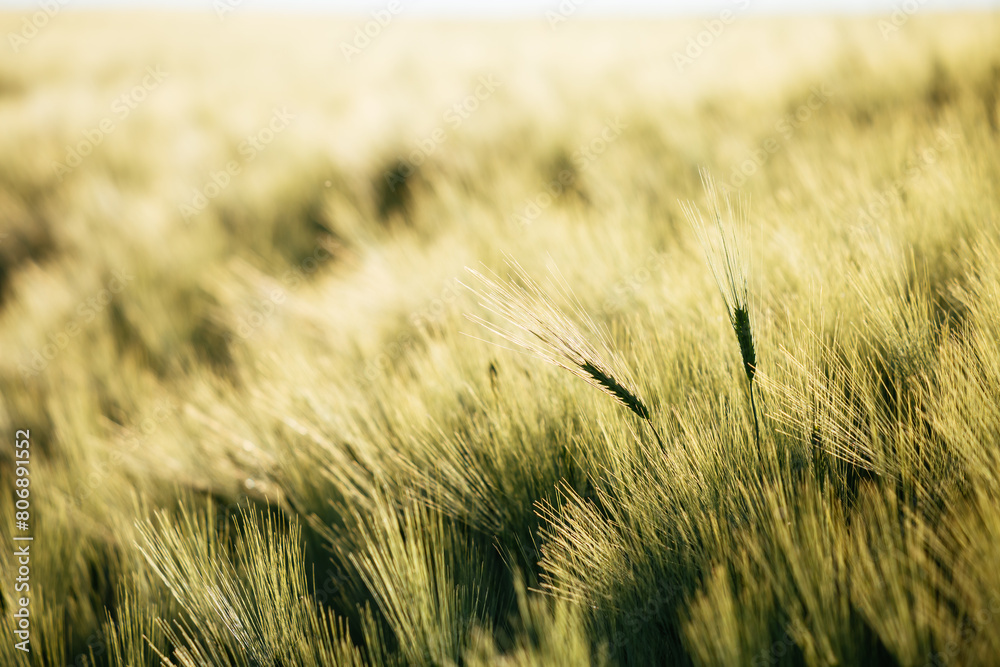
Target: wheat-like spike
{"x": 541, "y": 328}
{"x": 744, "y": 336}
{"x": 729, "y": 267}
{"x": 610, "y": 385}
{"x": 731, "y": 276}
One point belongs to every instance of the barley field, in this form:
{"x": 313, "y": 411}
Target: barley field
{"x": 287, "y": 306}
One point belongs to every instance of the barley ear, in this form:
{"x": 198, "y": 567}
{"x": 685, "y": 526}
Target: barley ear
{"x": 726, "y": 258}
{"x": 535, "y": 323}
{"x": 744, "y": 336}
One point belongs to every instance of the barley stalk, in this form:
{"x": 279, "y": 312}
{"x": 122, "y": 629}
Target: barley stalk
{"x": 539, "y": 326}
{"x": 729, "y": 266}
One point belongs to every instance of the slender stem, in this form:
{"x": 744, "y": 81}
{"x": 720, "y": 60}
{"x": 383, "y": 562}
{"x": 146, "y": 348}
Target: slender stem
{"x": 753, "y": 409}
{"x": 653, "y": 429}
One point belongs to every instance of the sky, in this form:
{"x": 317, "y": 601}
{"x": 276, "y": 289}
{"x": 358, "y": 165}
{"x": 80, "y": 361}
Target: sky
{"x": 526, "y": 8}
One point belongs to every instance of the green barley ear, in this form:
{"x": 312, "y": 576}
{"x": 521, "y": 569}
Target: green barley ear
{"x": 744, "y": 336}
{"x": 538, "y": 325}
{"x": 724, "y": 250}
{"x": 610, "y": 385}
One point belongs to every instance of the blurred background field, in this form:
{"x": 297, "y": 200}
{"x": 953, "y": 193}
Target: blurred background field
{"x": 231, "y": 317}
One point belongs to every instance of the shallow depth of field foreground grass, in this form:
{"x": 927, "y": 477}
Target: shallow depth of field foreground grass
{"x": 270, "y": 425}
